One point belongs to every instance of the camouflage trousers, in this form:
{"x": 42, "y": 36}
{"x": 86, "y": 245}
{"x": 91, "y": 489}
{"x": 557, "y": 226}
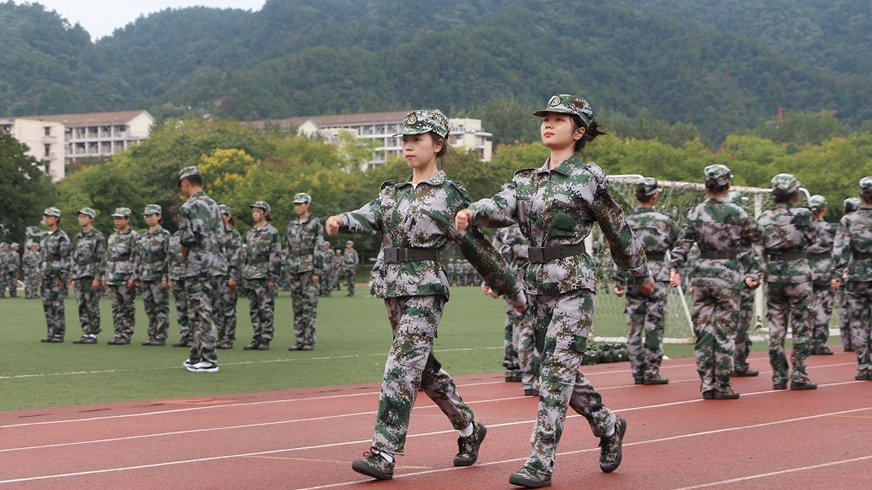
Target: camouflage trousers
{"x": 791, "y": 302}
{"x": 181, "y": 297}
{"x": 157, "y": 307}
{"x": 823, "y": 310}
{"x": 123, "y": 310}
{"x": 12, "y": 284}
{"x": 743, "y": 330}
{"x": 562, "y": 325}
{"x": 410, "y": 366}
{"x": 844, "y": 321}
{"x": 646, "y": 317}
{"x": 225, "y": 314}
{"x": 88, "y": 301}
{"x": 520, "y": 346}
{"x": 511, "y": 340}
{"x": 304, "y": 296}
{"x": 203, "y": 297}
{"x": 325, "y": 285}
{"x": 859, "y": 296}
{"x": 262, "y": 303}
{"x": 31, "y": 285}
{"x": 715, "y": 315}
{"x": 53, "y": 305}
{"x": 350, "y": 277}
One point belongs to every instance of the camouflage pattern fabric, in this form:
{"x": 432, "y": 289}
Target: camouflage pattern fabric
{"x": 121, "y": 268}
{"x": 31, "y": 274}
{"x": 743, "y": 329}
{"x": 88, "y": 301}
{"x": 262, "y": 263}
{"x": 123, "y": 310}
{"x": 156, "y": 300}
{"x": 54, "y": 263}
{"x": 519, "y": 347}
{"x": 88, "y": 255}
{"x": 202, "y": 296}
{"x": 854, "y": 237}
{"x": 350, "y": 261}
{"x": 844, "y": 322}
{"x": 304, "y": 295}
{"x": 821, "y": 262}
{"x": 11, "y": 262}
{"x": 176, "y": 275}
{"x": 225, "y": 318}
{"x": 325, "y": 282}
{"x": 151, "y": 269}
{"x": 262, "y": 310}
{"x": 859, "y": 302}
{"x": 304, "y": 243}
{"x": 714, "y": 316}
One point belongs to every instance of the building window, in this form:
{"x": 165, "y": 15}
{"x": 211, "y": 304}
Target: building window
{"x": 47, "y": 151}
{"x": 48, "y": 130}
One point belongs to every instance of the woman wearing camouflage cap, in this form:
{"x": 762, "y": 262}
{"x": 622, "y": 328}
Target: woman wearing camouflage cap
{"x": 415, "y": 220}
{"x": 820, "y": 259}
{"x": 556, "y": 206}
{"x": 231, "y": 246}
{"x": 54, "y": 263}
{"x": 849, "y": 206}
{"x": 88, "y": 254}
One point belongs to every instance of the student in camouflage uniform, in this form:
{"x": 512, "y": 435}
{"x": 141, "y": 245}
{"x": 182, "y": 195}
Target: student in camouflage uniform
{"x": 325, "y": 284}
{"x": 13, "y": 263}
{"x": 723, "y": 231}
{"x": 231, "y": 246}
{"x": 556, "y": 206}
{"x": 646, "y": 313}
{"x": 303, "y": 258}
{"x": 787, "y": 233}
{"x": 176, "y": 275}
{"x": 151, "y": 275}
{"x": 202, "y": 229}
{"x": 849, "y": 206}
{"x": 820, "y": 259}
{"x": 54, "y": 263}
{"x": 4, "y": 272}
{"x": 415, "y": 220}
{"x": 350, "y": 261}
{"x": 852, "y": 258}
{"x": 261, "y": 270}
{"x": 119, "y": 276}
{"x": 749, "y": 257}
{"x": 339, "y": 272}
{"x": 89, "y": 252}
{"x": 31, "y": 270}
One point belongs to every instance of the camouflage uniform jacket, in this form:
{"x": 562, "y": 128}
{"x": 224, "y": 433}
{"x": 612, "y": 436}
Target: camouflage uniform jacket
{"x": 854, "y": 236}
{"x": 350, "y": 258}
{"x": 717, "y": 225}
{"x": 89, "y": 252}
{"x": 54, "y": 258}
{"x": 12, "y": 261}
{"x": 231, "y": 245}
{"x": 558, "y": 207}
{"x": 150, "y": 262}
{"x": 175, "y": 261}
{"x": 511, "y": 244}
{"x": 330, "y": 261}
{"x": 202, "y": 227}
{"x": 788, "y": 229}
{"x": 262, "y": 254}
{"x": 30, "y": 261}
{"x": 658, "y": 234}
{"x": 304, "y": 243}
{"x": 822, "y": 266}
{"x": 120, "y": 256}
{"x": 423, "y": 217}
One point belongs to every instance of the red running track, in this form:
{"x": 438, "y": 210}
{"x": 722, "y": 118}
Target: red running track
{"x": 308, "y": 438}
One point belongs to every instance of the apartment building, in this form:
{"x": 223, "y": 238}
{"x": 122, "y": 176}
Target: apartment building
{"x": 45, "y": 140}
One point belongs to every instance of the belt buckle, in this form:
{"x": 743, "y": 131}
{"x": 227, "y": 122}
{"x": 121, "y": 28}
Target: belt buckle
{"x": 536, "y": 255}
{"x": 391, "y": 255}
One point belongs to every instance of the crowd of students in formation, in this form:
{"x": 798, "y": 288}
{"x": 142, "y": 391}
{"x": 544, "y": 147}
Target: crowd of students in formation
{"x": 537, "y": 262}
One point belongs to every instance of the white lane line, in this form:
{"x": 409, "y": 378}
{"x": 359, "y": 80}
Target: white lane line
{"x": 777, "y": 473}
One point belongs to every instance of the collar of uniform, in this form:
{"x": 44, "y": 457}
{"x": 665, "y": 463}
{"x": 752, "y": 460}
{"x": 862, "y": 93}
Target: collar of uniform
{"x": 88, "y": 233}
{"x": 719, "y": 199}
{"x": 198, "y": 194}
{"x": 565, "y": 167}
{"x": 436, "y": 180}
{"x": 782, "y": 205}
{"x": 640, "y": 210}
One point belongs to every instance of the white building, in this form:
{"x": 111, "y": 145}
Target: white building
{"x": 381, "y": 127}
{"x": 45, "y": 140}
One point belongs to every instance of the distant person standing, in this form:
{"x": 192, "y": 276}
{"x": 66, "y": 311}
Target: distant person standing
{"x": 350, "y": 261}
{"x": 748, "y": 258}
{"x": 88, "y": 255}
{"x": 54, "y": 271}
{"x": 231, "y": 247}
{"x": 4, "y": 270}
{"x": 201, "y": 229}
{"x": 338, "y": 273}
{"x": 31, "y": 270}
{"x": 119, "y": 276}
{"x": 303, "y": 243}
{"x": 176, "y": 274}
{"x": 850, "y": 205}
{"x": 13, "y": 264}
{"x": 151, "y": 275}
{"x": 820, "y": 259}
{"x": 325, "y": 285}
{"x": 261, "y": 271}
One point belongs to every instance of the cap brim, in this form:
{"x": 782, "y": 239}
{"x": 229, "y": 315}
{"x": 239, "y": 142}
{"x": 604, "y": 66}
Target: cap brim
{"x": 546, "y": 111}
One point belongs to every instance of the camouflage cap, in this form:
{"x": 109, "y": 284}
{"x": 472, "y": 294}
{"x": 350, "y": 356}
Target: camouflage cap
{"x": 88, "y": 212}
{"x": 349, "y": 242}
{"x": 225, "y": 209}
{"x": 188, "y": 172}
{"x": 866, "y": 188}
{"x": 851, "y": 204}
{"x": 302, "y": 198}
{"x": 423, "y": 121}
{"x": 646, "y": 187}
{"x": 718, "y": 174}
{"x": 52, "y": 212}
{"x": 785, "y": 184}
{"x": 3, "y": 244}
{"x": 736, "y": 197}
{"x": 569, "y": 104}
{"x": 14, "y": 245}
{"x": 121, "y": 213}
{"x": 261, "y": 205}
{"x": 817, "y": 202}
{"x": 152, "y": 209}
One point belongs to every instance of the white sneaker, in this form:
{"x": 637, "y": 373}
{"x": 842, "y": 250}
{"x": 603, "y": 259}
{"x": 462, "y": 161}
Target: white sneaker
{"x": 202, "y": 367}
{"x": 187, "y": 364}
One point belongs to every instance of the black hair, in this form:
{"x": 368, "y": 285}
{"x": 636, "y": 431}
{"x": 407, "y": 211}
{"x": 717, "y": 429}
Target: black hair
{"x": 782, "y": 198}
{"x": 591, "y": 131}
{"x": 195, "y": 180}
{"x": 232, "y": 221}
{"x": 715, "y": 188}
{"x": 642, "y": 198}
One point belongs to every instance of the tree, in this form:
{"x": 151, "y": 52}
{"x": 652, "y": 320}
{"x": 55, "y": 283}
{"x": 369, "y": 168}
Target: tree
{"x": 25, "y": 191}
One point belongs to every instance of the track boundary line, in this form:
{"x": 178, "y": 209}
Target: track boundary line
{"x": 776, "y": 473}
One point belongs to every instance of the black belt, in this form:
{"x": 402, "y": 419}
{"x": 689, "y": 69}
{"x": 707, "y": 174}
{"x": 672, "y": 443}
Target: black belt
{"x": 861, "y": 255}
{"x": 822, "y": 255}
{"x": 656, "y": 256}
{"x": 395, "y": 255}
{"x": 785, "y": 256}
{"x": 711, "y": 254}
{"x": 541, "y": 255}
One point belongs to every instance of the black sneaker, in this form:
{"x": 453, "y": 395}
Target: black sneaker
{"x": 118, "y": 341}
{"x": 154, "y": 343}
{"x": 252, "y": 346}
{"x": 468, "y": 447}
{"x": 746, "y": 373}
{"x": 610, "y": 447}
{"x": 527, "y": 478}
{"x": 86, "y": 340}
{"x": 183, "y": 343}
{"x": 655, "y": 380}
{"x": 57, "y": 340}
{"x": 374, "y": 465}
{"x": 803, "y": 386}
{"x": 780, "y": 386}
{"x": 263, "y": 346}
{"x": 295, "y": 347}
{"x": 531, "y": 392}
{"x": 307, "y": 347}
{"x": 638, "y": 380}
{"x": 726, "y": 394}
{"x": 823, "y": 351}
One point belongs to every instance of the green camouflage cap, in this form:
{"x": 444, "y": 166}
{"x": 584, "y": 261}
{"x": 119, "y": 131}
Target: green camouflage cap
{"x": 785, "y": 184}
{"x": 718, "y": 174}
{"x": 866, "y": 188}
{"x": 569, "y": 104}
{"x": 52, "y": 212}
{"x": 261, "y": 204}
{"x": 424, "y": 121}
{"x": 188, "y": 172}
{"x": 646, "y": 187}
{"x": 736, "y": 197}
{"x": 88, "y": 212}
{"x": 225, "y": 209}
{"x": 302, "y": 198}
{"x": 121, "y": 213}
{"x": 851, "y": 204}
{"x": 14, "y": 245}
{"x": 152, "y": 209}
{"x": 4, "y": 245}
{"x": 817, "y": 202}
{"x": 349, "y": 242}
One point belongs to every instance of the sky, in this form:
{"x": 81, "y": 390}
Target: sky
{"x": 101, "y": 17}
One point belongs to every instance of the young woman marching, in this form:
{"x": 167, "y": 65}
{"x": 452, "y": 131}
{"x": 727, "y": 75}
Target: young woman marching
{"x": 555, "y": 206}
{"x": 415, "y": 219}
